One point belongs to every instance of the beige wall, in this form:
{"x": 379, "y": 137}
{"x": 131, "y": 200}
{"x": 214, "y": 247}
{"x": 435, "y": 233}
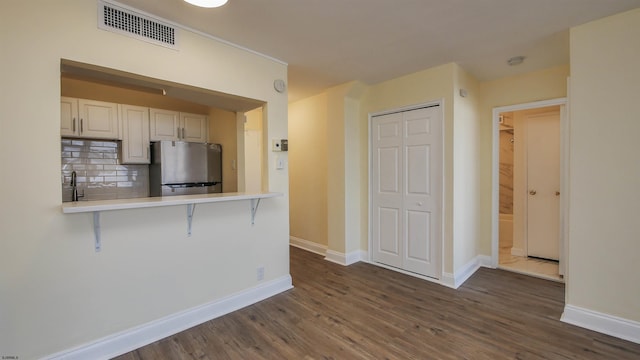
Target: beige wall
{"x": 535, "y": 86}
{"x": 256, "y": 142}
{"x": 604, "y": 201}
{"x": 223, "y": 131}
{"x": 57, "y": 293}
{"x": 343, "y": 169}
{"x": 253, "y": 120}
{"x": 308, "y": 143}
{"x": 467, "y": 190}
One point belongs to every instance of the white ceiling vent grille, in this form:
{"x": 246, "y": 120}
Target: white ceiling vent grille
{"x": 123, "y": 21}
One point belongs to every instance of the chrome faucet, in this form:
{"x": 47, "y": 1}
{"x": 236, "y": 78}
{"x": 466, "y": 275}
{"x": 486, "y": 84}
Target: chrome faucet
{"x": 74, "y": 188}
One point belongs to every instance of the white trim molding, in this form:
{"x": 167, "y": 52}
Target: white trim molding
{"x": 308, "y": 245}
{"x": 465, "y": 272}
{"x": 602, "y": 323}
{"x": 329, "y": 255}
{"x": 131, "y": 339}
{"x": 345, "y": 259}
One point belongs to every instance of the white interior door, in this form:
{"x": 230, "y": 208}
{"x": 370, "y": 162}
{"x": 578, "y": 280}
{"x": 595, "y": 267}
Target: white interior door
{"x": 387, "y": 189}
{"x": 406, "y": 196}
{"x": 543, "y": 183}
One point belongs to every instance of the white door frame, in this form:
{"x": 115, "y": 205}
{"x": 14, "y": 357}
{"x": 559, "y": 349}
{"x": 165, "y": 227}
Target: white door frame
{"x": 369, "y": 257}
{"x": 495, "y": 166}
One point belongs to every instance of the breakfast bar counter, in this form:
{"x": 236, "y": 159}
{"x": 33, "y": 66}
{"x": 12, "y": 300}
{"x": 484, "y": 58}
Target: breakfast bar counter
{"x": 190, "y": 201}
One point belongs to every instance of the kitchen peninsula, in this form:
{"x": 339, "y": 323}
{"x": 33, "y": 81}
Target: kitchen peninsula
{"x": 189, "y": 200}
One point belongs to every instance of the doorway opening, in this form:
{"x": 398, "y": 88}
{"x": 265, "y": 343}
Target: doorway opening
{"x": 528, "y": 188}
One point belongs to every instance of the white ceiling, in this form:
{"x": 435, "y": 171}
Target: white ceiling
{"x": 329, "y": 42}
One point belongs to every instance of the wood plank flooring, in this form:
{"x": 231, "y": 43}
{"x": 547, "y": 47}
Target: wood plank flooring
{"x": 366, "y": 312}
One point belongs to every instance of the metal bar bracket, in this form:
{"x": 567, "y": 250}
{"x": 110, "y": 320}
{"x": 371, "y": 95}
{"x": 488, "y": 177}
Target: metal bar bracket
{"x": 96, "y": 230}
{"x": 190, "y": 209}
{"x": 254, "y": 209}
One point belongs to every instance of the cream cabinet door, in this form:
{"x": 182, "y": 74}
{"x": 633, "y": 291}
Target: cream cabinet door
{"x": 194, "y": 127}
{"x": 135, "y": 134}
{"x": 177, "y": 126}
{"x": 69, "y": 121}
{"x": 165, "y": 125}
{"x": 98, "y": 119}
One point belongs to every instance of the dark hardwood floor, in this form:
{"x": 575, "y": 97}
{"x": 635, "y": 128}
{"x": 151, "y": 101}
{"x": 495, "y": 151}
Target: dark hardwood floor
{"x": 366, "y": 312}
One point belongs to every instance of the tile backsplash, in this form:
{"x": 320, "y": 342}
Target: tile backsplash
{"x": 99, "y": 172}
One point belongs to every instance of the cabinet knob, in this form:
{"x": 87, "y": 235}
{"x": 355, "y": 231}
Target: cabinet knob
{"x": 532, "y": 192}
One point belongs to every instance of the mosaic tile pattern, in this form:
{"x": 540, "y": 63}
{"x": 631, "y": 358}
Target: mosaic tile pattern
{"x": 99, "y": 172}
{"x": 506, "y": 172}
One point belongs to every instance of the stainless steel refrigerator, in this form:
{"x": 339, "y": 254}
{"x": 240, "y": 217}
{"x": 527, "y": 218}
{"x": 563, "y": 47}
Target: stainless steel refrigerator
{"x": 184, "y": 168}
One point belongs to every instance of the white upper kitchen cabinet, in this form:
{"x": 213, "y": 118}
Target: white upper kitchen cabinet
{"x": 68, "y": 116}
{"x": 88, "y": 118}
{"x": 165, "y": 124}
{"x": 194, "y": 127}
{"x": 177, "y": 126}
{"x": 135, "y": 134}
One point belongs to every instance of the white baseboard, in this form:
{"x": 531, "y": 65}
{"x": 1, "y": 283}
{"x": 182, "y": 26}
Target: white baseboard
{"x": 517, "y": 252}
{"x": 308, "y": 245}
{"x": 464, "y": 273}
{"x": 329, "y": 255}
{"x": 345, "y": 259}
{"x": 128, "y": 340}
{"x": 603, "y": 323}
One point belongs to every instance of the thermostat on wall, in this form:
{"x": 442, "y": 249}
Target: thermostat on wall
{"x": 279, "y": 145}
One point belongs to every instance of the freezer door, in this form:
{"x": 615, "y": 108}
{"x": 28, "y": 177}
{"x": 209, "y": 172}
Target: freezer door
{"x": 214, "y": 163}
{"x": 183, "y": 162}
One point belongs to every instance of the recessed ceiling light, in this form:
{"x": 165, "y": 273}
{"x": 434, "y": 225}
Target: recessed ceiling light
{"x": 207, "y": 3}
{"x": 516, "y": 60}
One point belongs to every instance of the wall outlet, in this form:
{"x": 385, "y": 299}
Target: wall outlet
{"x": 260, "y": 273}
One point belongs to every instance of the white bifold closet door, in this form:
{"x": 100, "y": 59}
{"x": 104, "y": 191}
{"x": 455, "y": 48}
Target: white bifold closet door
{"x": 406, "y": 190}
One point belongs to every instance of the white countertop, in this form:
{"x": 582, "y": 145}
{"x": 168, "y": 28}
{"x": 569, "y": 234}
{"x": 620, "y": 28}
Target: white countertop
{"x": 120, "y": 204}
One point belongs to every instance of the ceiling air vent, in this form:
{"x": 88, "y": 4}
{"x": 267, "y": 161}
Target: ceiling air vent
{"x": 142, "y": 27}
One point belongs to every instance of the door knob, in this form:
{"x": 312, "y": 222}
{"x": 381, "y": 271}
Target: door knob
{"x": 532, "y": 192}
{"x": 557, "y": 193}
